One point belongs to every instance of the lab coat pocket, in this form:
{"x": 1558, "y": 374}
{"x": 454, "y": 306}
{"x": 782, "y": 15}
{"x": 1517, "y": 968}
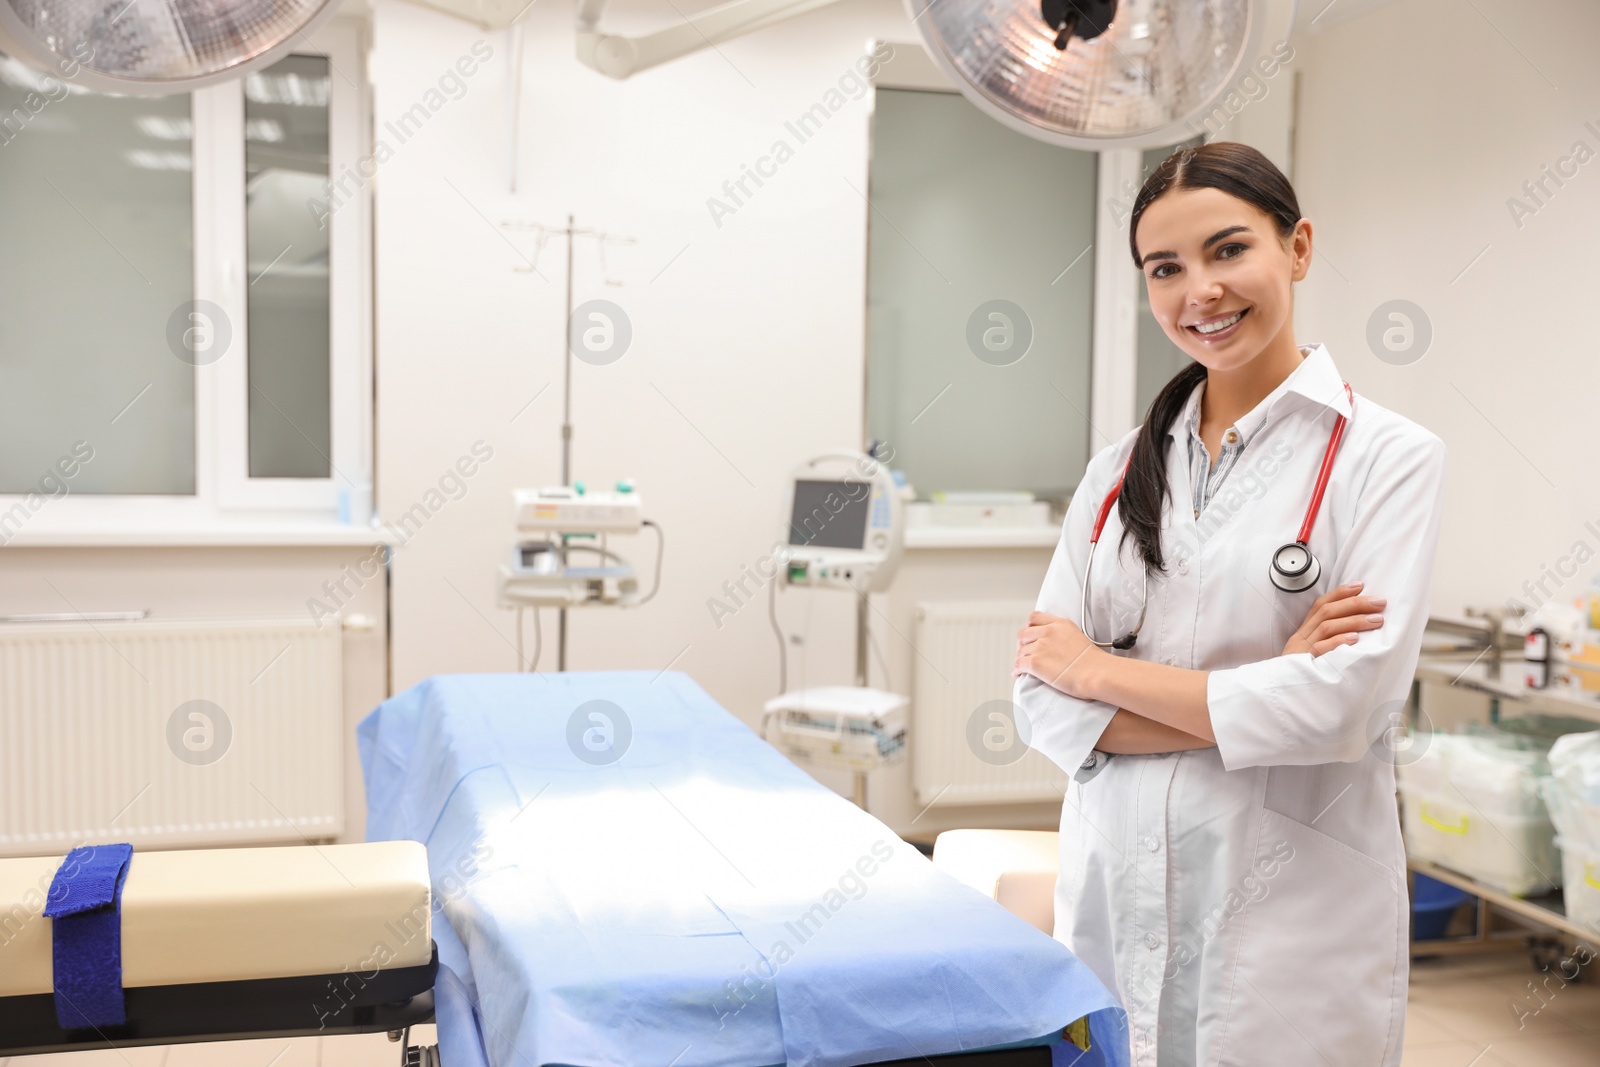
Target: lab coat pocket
{"x": 1318, "y": 976}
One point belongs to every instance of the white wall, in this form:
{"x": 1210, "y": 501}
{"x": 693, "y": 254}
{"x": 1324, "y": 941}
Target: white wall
{"x": 748, "y": 337}
{"x": 1417, "y": 121}
{"x": 1414, "y": 125}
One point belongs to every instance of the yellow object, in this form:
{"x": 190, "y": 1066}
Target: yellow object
{"x": 1588, "y": 875}
{"x": 237, "y": 914}
{"x": 1586, "y": 654}
{"x": 1078, "y": 1033}
{"x": 1446, "y": 827}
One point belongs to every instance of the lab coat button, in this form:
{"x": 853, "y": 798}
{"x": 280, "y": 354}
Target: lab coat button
{"x": 1152, "y": 940}
{"x": 1152, "y": 843}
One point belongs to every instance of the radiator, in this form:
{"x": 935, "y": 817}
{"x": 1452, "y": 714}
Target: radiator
{"x": 169, "y": 734}
{"x": 960, "y": 696}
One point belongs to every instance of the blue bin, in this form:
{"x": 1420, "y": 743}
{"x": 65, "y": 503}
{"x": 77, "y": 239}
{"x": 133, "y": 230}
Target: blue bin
{"x": 1432, "y": 904}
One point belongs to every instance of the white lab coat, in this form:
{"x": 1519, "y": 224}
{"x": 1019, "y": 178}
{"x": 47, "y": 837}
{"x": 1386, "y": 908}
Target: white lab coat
{"x": 1248, "y": 902}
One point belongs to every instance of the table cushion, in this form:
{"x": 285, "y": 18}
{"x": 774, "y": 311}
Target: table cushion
{"x": 221, "y": 915}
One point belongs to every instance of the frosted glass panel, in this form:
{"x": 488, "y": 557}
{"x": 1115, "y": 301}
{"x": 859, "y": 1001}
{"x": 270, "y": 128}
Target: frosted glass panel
{"x": 978, "y": 331}
{"x": 1159, "y": 358}
{"x": 286, "y": 198}
{"x": 96, "y": 275}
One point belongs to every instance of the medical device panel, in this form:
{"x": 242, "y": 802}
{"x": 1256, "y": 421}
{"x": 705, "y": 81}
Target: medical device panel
{"x": 563, "y": 509}
{"x": 564, "y": 561}
{"x": 846, "y": 523}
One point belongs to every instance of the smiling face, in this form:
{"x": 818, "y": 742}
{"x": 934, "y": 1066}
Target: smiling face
{"x": 1211, "y": 259}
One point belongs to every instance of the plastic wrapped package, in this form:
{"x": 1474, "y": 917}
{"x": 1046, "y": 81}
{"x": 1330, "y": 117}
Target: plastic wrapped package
{"x": 1573, "y": 794}
{"x": 1580, "y": 868}
{"x": 1498, "y": 774}
{"x": 1473, "y": 802}
{"x": 1573, "y": 791}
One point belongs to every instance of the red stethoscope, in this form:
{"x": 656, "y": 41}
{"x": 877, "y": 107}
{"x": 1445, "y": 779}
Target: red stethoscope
{"x": 1294, "y": 567}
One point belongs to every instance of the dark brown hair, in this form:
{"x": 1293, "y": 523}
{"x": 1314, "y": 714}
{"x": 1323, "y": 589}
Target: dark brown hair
{"x": 1238, "y": 170}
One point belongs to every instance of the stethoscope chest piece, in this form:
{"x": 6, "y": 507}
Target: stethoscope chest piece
{"x": 1294, "y": 569}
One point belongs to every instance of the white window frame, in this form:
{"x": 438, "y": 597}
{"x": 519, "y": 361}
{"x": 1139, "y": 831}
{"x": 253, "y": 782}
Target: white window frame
{"x": 1114, "y": 363}
{"x": 226, "y": 498}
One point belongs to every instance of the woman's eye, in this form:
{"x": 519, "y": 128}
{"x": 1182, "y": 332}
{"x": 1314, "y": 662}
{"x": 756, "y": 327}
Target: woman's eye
{"x": 1159, "y": 268}
{"x": 1221, "y": 252}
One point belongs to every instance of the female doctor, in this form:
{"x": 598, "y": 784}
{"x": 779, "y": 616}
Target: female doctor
{"x": 1226, "y": 695}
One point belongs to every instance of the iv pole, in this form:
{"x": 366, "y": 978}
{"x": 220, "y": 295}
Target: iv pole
{"x": 571, "y": 233}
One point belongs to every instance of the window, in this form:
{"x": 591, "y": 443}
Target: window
{"x": 286, "y": 168}
{"x": 1009, "y": 337}
{"x": 98, "y": 213}
{"x": 184, "y": 323}
{"x": 979, "y": 298}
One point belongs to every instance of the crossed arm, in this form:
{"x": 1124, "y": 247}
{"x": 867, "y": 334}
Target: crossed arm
{"x": 1162, "y": 708}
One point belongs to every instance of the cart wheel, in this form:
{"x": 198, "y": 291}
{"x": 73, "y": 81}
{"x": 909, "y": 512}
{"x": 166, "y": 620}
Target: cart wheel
{"x": 1547, "y": 954}
{"x": 422, "y": 1056}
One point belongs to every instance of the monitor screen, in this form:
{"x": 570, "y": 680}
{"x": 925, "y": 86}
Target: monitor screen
{"x": 830, "y": 514}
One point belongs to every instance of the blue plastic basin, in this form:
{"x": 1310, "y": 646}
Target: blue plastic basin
{"x": 1432, "y": 904}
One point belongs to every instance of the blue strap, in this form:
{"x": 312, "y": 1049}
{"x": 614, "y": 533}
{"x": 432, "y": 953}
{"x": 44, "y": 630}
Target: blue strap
{"x": 85, "y": 910}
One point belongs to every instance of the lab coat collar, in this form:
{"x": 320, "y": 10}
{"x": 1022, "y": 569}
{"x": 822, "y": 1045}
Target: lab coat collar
{"x": 1316, "y": 379}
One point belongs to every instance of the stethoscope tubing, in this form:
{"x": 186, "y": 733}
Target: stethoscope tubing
{"x": 1322, "y": 475}
{"x": 1303, "y": 540}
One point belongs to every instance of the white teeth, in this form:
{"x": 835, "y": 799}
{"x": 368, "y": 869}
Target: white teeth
{"x": 1221, "y": 324}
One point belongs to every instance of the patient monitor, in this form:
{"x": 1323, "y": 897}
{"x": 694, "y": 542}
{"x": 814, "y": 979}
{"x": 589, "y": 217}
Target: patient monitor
{"x": 846, "y": 523}
{"x": 845, "y": 530}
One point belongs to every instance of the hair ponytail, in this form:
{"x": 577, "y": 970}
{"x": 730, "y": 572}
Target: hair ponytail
{"x": 1240, "y": 171}
{"x": 1144, "y": 488}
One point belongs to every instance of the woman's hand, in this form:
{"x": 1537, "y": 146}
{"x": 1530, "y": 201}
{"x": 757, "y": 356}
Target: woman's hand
{"x": 1056, "y": 652}
{"x": 1336, "y": 617}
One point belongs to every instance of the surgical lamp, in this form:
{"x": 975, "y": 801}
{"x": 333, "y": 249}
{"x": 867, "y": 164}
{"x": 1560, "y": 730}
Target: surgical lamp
{"x": 154, "y": 47}
{"x": 1088, "y": 74}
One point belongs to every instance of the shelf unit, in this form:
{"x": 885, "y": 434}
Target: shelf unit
{"x": 1542, "y": 929}
{"x": 1572, "y": 689}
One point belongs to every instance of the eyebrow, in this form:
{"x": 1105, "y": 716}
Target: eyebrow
{"x": 1213, "y": 239}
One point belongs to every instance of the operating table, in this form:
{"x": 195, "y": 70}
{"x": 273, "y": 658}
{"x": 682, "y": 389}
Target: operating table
{"x": 575, "y": 870}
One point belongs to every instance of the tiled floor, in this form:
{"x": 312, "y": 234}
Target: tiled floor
{"x": 1465, "y": 1011}
{"x": 1497, "y": 1011}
